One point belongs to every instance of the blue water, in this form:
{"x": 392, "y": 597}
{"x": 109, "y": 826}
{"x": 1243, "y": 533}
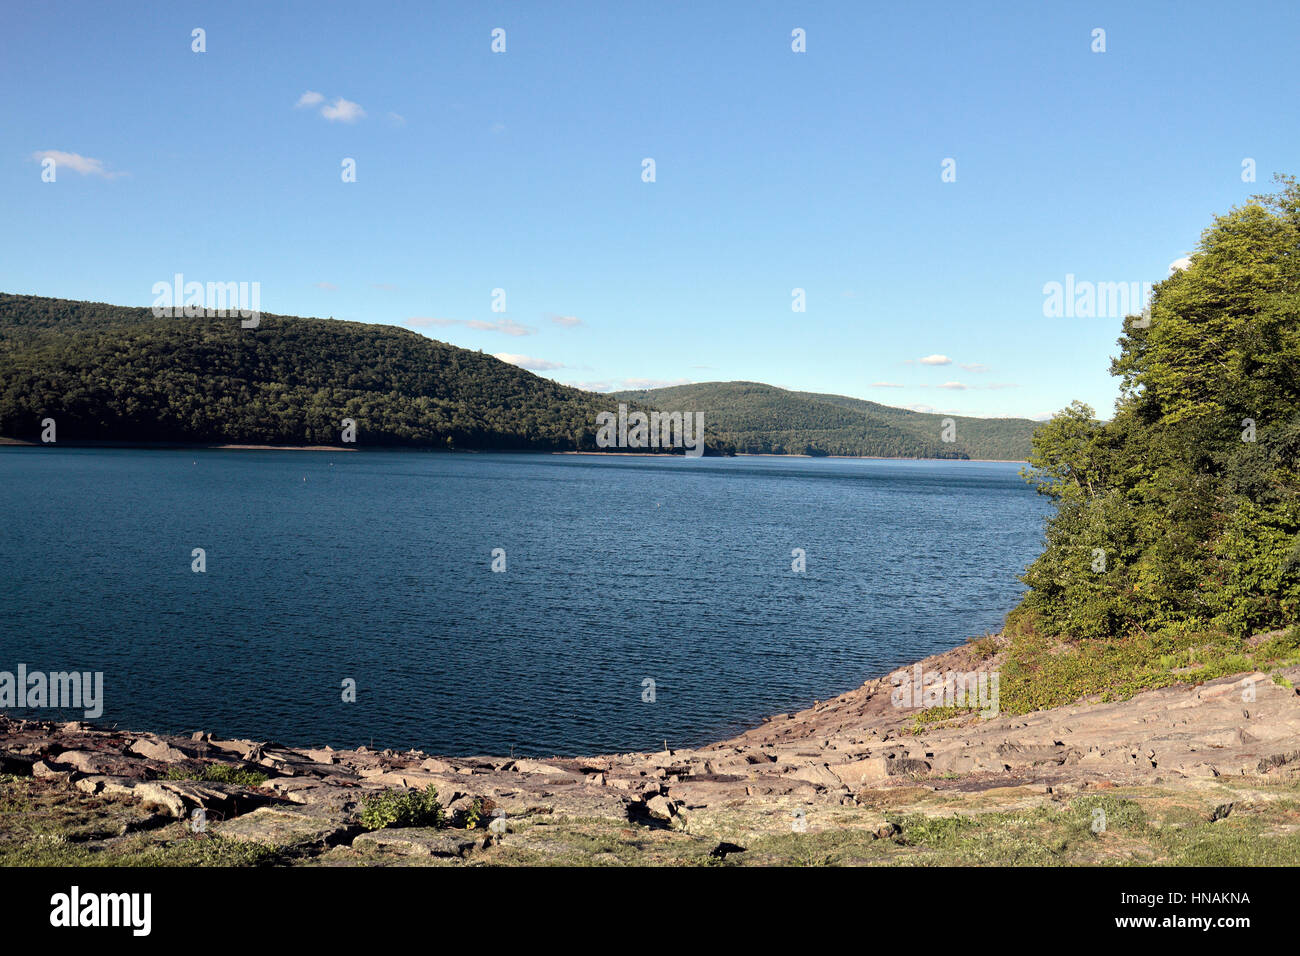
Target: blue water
{"x": 376, "y": 566}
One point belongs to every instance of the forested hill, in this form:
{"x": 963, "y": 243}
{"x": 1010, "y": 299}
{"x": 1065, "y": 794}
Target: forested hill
{"x": 108, "y": 373}
{"x": 113, "y": 373}
{"x": 763, "y": 419}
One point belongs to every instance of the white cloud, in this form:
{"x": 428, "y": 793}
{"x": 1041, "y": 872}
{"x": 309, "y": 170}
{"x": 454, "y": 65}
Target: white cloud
{"x": 975, "y": 367}
{"x": 339, "y": 111}
{"x": 958, "y": 386}
{"x": 508, "y": 326}
{"x": 327, "y": 286}
{"x": 420, "y": 320}
{"x": 931, "y": 410}
{"x": 505, "y": 326}
{"x": 1178, "y": 265}
{"x": 342, "y": 111}
{"x": 397, "y": 119}
{"x": 75, "y": 162}
{"x": 653, "y": 382}
{"x": 528, "y": 362}
{"x": 886, "y": 385}
{"x": 936, "y": 360}
{"x": 568, "y": 321}
{"x": 627, "y": 384}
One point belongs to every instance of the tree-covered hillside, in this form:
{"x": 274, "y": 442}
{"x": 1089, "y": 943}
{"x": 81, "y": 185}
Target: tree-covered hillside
{"x": 763, "y": 419}
{"x": 996, "y": 439}
{"x": 1183, "y": 512}
{"x": 107, "y": 373}
{"x": 110, "y": 373}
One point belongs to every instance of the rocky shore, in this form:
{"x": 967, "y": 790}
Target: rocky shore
{"x": 845, "y": 781}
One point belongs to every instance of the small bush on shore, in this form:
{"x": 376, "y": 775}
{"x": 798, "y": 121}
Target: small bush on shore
{"x": 479, "y": 813}
{"x": 401, "y": 808}
{"x": 984, "y": 647}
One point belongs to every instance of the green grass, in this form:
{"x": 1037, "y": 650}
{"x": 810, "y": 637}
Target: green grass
{"x": 219, "y": 773}
{"x": 1151, "y": 828}
{"x": 51, "y": 850}
{"x": 599, "y": 842}
{"x": 43, "y": 825}
{"x": 937, "y": 715}
{"x": 1041, "y": 672}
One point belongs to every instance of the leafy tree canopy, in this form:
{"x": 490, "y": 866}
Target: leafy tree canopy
{"x": 1184, "y": 510}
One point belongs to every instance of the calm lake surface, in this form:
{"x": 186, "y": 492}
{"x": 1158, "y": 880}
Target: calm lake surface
{"x": 376, "y": 566}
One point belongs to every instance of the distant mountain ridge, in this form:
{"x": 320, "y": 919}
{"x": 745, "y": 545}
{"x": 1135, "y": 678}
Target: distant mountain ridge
{"x": 764, "y": 419}
{"x": 116, "y": 373}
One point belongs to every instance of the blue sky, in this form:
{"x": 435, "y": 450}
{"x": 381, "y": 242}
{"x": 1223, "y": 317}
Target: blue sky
{"x": 775, "y": 170}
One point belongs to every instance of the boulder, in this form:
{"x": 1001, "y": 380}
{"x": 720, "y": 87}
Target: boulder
{"x": 535, "y": 766}
{"x": 325, "y": 755}
{"x": 859, "y": 772}
{"x": 284, "y": 828}
{"x": 42, "y": 769}
{"x": 155, "y": 793}
{"x": 152, "y": 749}
{"x": 95, "y": 762}
{"x": 411, "y": 779}
{"x": 106, "y": 785}
{"x": 817, "y": 774}
{"x": 417, "y": 841}
{"x": 659, "y": 808}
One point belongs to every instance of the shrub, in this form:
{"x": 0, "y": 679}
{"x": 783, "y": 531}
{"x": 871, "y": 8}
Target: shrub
{"x": 479, "y": 813}
{"x": 401, "y": 808}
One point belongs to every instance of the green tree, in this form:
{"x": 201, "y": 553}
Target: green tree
{"x": 1189, "y": 494}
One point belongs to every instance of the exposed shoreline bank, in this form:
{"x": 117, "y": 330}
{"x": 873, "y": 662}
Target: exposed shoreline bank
{"x": 841, "y": 766}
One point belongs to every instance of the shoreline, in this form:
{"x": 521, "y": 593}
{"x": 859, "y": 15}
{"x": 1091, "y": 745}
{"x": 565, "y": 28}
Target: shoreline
{"x": 960, "y": 655}
{"x": 208, "y": 446}
{"x": 857, "y": 768}
{"x": 168, "y": 446}
{"x": 647, "y": 454}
